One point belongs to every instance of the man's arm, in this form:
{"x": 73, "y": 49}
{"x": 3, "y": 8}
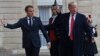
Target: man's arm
{"x": 87, "y": 28}
{"x": 45, "y": 34}
{"x": 12, "y": 26}
{"x": 43, "y": 31}
{"x": 47, "y": 27}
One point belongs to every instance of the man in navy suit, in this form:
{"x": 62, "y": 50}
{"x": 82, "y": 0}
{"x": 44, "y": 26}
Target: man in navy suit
{"x": 30, "y": 26}
{"x": 72, "y": 27}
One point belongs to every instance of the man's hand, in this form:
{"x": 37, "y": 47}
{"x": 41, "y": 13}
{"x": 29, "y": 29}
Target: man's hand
{"x": 3, "y": 22}
{"x": 49, "y": 45}
{"x": 93, "y": 41}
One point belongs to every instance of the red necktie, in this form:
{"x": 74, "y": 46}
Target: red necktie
{"x": 72, "y": 27}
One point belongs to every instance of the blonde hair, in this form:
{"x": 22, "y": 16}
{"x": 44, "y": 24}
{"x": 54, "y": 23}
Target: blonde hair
{"x": 72, "y": 3}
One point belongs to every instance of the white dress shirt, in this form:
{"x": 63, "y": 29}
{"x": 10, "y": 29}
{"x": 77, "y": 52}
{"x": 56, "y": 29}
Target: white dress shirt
{"x": 70, "y": 23}
{"x": 29, "y": 21}
{"x": 54, "y": 17}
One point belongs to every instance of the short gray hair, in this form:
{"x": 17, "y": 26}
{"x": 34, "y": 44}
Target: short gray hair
{"x": 72, "y": 3}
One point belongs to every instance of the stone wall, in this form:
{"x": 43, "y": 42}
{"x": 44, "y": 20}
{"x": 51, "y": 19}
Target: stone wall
{"x": 91, "y": 7}
{"x": 11, "y": 10}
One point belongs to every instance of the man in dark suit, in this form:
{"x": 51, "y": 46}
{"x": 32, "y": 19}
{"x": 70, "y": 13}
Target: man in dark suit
{"x": 52, "y": 30}
{"x": 72, "y": 27}
{"x": 30, "y": 26}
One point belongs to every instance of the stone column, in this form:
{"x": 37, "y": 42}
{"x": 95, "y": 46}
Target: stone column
{"x": 36, "y": 10}
{"x": 96, "y": 18}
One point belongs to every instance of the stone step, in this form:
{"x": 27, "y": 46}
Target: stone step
{"x": 20, "y": 52}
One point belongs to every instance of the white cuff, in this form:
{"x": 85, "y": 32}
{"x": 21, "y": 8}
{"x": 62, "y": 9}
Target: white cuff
{"x": 48, "y": 43}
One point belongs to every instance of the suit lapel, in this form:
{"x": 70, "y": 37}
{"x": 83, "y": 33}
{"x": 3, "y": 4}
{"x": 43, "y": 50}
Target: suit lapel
{"x": 55, "y": 19}
{"x": 34, "y": 22}
{"x": 68, "y": 17}
{"x": 51, "y": 20}
{"x": 27, "y": 25}
{"x": 66, "y": 21}
{"x": 26, "y": 22}
{"x": 76, "y": 20}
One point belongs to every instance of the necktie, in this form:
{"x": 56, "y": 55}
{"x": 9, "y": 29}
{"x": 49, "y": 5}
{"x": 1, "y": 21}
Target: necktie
{"x": 72, "y": 27}
{"x": 30, "y": 22}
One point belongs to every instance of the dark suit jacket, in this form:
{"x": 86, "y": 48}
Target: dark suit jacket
{"x": 30, "y": 34}
{"x": 81, "y": 26}
{"x": 53, "y": 26}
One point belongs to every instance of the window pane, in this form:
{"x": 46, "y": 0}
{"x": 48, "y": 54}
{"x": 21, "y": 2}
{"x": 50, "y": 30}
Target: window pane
{"x": 44, "y": 14}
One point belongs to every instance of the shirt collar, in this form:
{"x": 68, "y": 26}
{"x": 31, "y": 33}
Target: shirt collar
{"x": 54, "y": 16}
{"x": 73, "y": 14}
{"x": 28, "y": 17}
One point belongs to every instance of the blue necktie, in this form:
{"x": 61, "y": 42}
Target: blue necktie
{"x": 30, "y": 22}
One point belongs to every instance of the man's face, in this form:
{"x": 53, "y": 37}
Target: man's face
{"x": 30, "y": 12}
{"x": 54, "y": 9}
{"x": 73, "y": 9}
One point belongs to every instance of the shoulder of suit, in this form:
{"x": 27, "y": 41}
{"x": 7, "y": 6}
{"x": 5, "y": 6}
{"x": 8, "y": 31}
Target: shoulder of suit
{"x": 65, "y": 13}
{"x": 22, "y": 18}
{"x": 50, "y": 18}
{"x": 83, "y": 17}
{"x": 36, "y": 17}
{"x": 81, "y": 14}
